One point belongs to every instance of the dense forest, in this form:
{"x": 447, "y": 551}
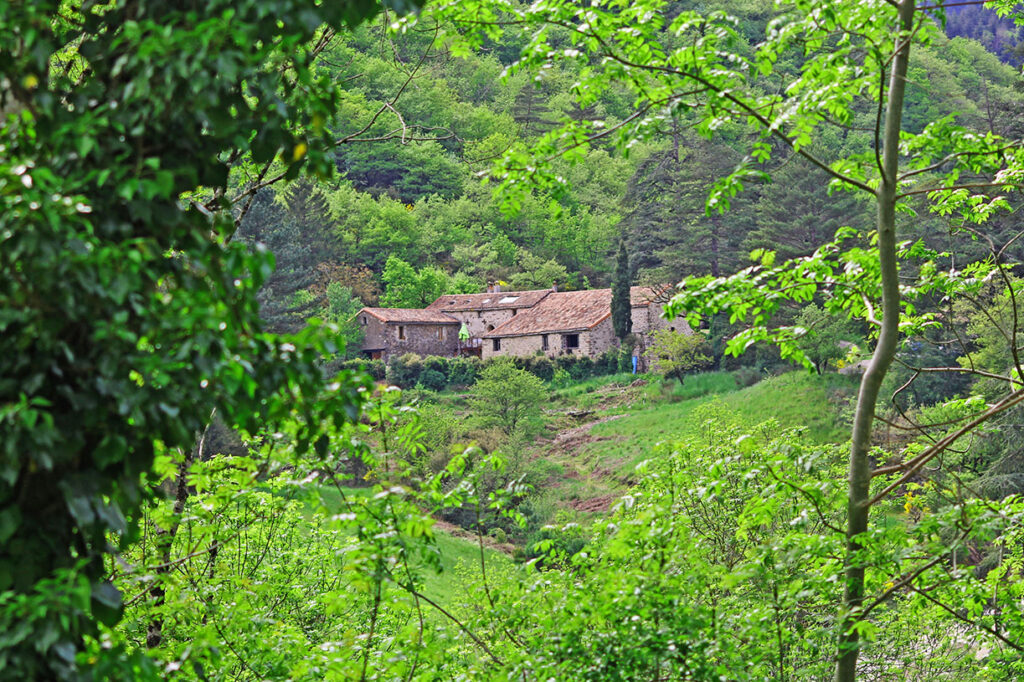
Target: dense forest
{"x": 407, "y": 189}
{"x": 202, "y": 478}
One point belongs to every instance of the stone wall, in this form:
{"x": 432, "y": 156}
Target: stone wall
{"x": 374, "y": 331}
{"x": 479, "y": 322}
{"x": 600, "y": 339}
{"x": 422, "y": 339}
{"x": 516, "y": 346}
{"x": 592, "y": 343}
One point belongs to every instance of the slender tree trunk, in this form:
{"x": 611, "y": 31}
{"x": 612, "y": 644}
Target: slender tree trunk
{"x": 165, "y": 539}
{"x": 860, "y": 466}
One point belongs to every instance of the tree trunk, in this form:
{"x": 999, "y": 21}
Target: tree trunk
{"x": 165, "y": 539}
{"x": 860, "y": 467}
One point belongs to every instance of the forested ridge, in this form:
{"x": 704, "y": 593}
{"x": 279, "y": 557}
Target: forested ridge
{"x": 416, "y": 196}
{"x": 821, "y": 476}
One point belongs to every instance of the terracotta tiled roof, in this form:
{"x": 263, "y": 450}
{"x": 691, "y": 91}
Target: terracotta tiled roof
{"x": 493, "y": 301}
{"x": 409, "y": 315}
{"x": 575, "y": 310}
{"x": 559, "y": 312}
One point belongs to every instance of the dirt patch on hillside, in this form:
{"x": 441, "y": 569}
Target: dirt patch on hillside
{"x": 571, "y": 441}
{"x": 460, "y": 532}
{"x": 601, "y": 503}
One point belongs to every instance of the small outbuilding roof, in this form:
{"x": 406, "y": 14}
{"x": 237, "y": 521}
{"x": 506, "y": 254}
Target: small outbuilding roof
{"x": 409, "y": 316}
{"x": 490, "y": 301}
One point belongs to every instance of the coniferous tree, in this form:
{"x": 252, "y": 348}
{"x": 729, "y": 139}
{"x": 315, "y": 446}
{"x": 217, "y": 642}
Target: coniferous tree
{"x": 622, "y": 321}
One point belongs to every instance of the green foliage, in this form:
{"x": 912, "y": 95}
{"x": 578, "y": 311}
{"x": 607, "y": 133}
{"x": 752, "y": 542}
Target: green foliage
{"x": 407, "y": 288}
{"x": 821, "y": 337}
{"x": 622, "y": 311}
{"x": 507, "y": 397}
{"x": 463, "y": 371}
{"x": 287, "y": 547}
{"x": 129, "y": 313}
{"x": 342, "y": 306}
{"x": 404, "y": 370}
{"x": 432, "y": 380}
{"x": 674, "y": 355}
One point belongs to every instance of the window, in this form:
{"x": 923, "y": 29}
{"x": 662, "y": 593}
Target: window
{"x": 496, "y": 344}
{"x": 362, "y": 320}
{"x": 509, "y": 299}
{"x": 401, "y": 332}
{"x": 514, "y": 311}
{"x": 543, "y": 341}
{"x": 571, "y": 341}
{"x": 440, "y": 333}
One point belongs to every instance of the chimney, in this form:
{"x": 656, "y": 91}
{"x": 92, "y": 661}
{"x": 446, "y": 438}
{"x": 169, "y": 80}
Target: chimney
{"x": 554, "y": 287}
{"x": 490, "y": 286}
{"x": 497, "y": 288}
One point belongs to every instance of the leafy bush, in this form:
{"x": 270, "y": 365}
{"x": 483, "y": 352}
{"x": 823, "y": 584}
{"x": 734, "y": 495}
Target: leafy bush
{"x": 541, "y": 367}
{"x": 433, "y": 380}
{"x": 437, "y": 364}
{"x": 404, "y": 370}
{"x": 375, "y": 368}
{"x": 463, "y": 371}
{"x": 507, "y": 397}
{"x": 583, "y": 368}
{"x": 674, "y": 355}
{"x": 560, "y": 378}
{"x": 747, "y": 376}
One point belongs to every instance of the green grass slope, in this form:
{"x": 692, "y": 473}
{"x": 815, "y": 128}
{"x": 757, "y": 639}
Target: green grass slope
{"x": 591, "y": 464}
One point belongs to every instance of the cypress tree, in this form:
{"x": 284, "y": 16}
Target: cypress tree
{"x": 622, "y": 317}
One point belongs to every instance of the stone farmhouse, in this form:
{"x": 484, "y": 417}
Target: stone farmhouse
{"x": 512, "y": 323}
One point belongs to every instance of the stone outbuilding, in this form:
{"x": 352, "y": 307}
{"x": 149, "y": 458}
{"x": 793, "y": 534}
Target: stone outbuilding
{"x": 395, "y": 331}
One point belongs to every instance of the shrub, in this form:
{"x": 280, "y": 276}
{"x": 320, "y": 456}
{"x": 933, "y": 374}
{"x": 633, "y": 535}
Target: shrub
{"x": 375, "y": 368}
{"x": 607, "y": 362}
{"x": 747, "y": 376}
{"x": 560, "y": 378}
{"x": 463, "y": 371}
{"x": 507, "y": 397}
{"x": 437, "y": 364}
{"x": 404, "y": 370}
{"x": 541, "y": 367}
{"x": 674, "y": 355}
{"x": 583, "y": 368}
{"x": 433, "y": 380}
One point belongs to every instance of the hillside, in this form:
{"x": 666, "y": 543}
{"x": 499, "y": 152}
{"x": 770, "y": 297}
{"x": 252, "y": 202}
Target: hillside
{"x": 406, "y": 220}
{"x": 602, "y": 429}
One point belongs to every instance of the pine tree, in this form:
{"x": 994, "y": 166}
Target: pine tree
{"x": 622, "y": 320}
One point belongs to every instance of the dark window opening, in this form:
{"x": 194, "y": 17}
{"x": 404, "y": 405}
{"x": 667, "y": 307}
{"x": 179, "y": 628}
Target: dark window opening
{"x": 490, "y": 327}
{"x": 363, "y": 320}
{"x": 571, "y": 341}
{"x": 401, "y": 332}
{"x": 496, "y": 343}
{"x": 544, "y": 342}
